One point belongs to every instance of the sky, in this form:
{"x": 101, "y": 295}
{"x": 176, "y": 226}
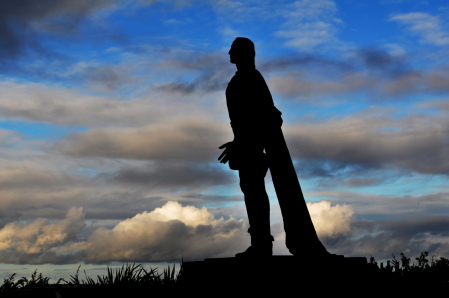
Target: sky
{"x": 112, "y": 112}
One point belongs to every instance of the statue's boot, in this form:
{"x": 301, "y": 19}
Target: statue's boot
{"x": 261, "y": 247}
{"x": 311, "y": 248}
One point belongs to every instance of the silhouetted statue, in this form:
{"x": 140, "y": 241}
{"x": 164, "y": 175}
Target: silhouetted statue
{"x": 256, "y": 124}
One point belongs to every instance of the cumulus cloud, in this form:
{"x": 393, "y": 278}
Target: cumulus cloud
{"x": 167, "y": 233}
{"x": 40, "y": 235}
{"x": 194, "y": 233}
{"x": 331, "y": 221}
{"x": 387, "y": 224}
{"x": 173, "y": 231}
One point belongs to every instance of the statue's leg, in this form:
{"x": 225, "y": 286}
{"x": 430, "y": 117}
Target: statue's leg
{"x": 301, "y": 236}
{"x": 257, "y": 203}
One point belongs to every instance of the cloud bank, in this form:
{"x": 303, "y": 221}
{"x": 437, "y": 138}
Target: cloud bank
{"x": 166, "y": 234}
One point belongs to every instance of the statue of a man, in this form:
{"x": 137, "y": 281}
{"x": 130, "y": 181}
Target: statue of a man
{"x": 256, "y": 124}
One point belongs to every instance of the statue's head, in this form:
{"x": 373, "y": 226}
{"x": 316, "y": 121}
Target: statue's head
{"x": 242, "y": 51}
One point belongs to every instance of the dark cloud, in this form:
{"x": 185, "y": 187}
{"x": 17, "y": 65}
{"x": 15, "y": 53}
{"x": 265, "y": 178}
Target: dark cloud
{"x": 8, "y": 216}
{"x": 32, "y": 178}
{"x": 387, "y": 224}
{"x": 47, "y": 183}
{"x": 315, "y": 167}
{"x": 407, "y": 235}
{"x": 34, "y": 102}
{"x": 304, "y": 86}
{"x": 212, "y": 72}
{"x": 48, "y": 257}
{"x": 436, "y": 225}
{"x": 26, "y": 26}
{"x": 208, "y": 82}
{"x": 174, "y": 175}
{"x": 370, "y": 206}
{"x": 180, "y": 88}
{"x": 417, "y": 142}
{"x": 21, "y": 20}
{"x": 375, "y": 59}
{"x": 186, "y": 139}
{"x": 294, "y": 62}
{"x": 108, "y": 77}
{"x": 369, "y": 70}
{"x": 215, "y": 71}
{"x": 357, "y": 182}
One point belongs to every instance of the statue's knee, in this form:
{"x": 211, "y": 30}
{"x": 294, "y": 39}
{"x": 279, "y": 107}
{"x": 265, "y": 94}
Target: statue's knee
{"x": 245, "y": 187}
{"x": 252, "y": 188}
{"x": 251, "y": 181}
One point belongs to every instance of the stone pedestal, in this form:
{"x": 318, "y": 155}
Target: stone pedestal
{"x": 276, "y": 273}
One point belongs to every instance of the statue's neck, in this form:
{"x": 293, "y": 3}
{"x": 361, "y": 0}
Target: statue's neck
{"x": 245, "y": 66}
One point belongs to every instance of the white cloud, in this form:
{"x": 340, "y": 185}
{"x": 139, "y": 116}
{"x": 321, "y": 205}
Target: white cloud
{"x": 429, "y": 28}
{"x": 331, "y": 221}
{"x": 309, "y": 24}
{"x": 189, "y": 215}
{"x": 395, "y": 49}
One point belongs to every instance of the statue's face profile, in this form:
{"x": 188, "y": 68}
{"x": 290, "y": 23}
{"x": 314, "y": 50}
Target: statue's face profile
{"x": 233, "y": 54}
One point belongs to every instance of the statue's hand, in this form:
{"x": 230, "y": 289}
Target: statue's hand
{"x": 225, "y": 155}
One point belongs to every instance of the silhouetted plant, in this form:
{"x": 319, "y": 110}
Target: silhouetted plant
{"x": 422, "y": 261}
{"x": 405, "y": 262}
{"x": 435, "y": 272}
{"x": 35, "y": 281}
{"x": 128, "y": 275}
{"x": 396, "y": 265}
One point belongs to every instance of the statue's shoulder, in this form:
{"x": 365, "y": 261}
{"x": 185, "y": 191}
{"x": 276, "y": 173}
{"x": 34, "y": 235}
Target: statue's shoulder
{"x": 258, "y": 75}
